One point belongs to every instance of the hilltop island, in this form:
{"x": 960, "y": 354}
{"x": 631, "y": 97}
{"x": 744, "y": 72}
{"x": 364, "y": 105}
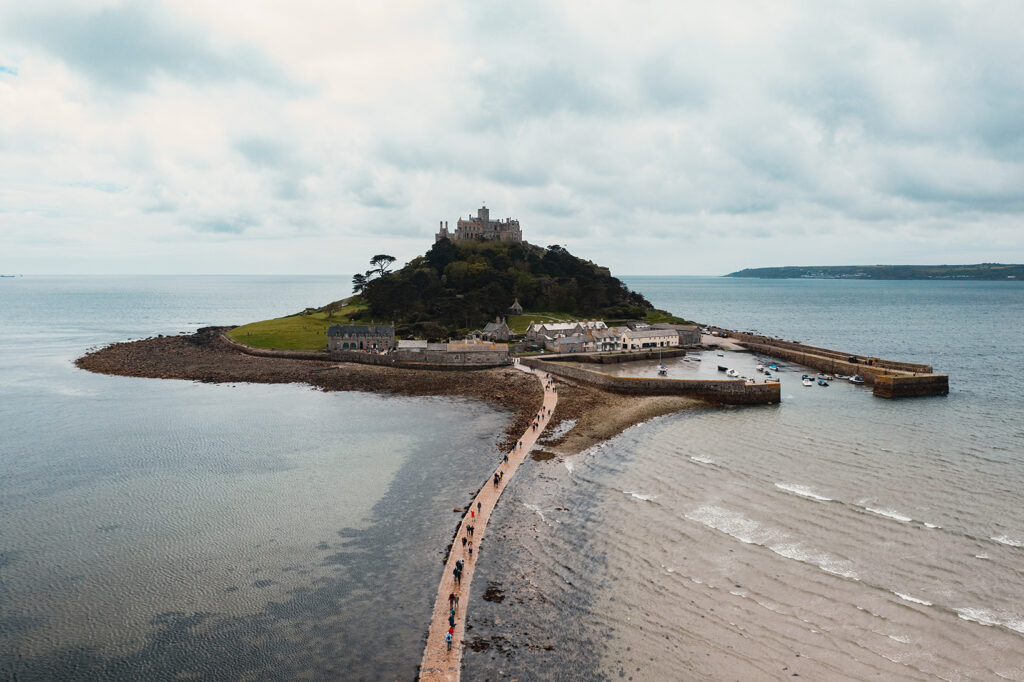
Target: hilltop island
{"x": 482, "y": 286}
{"x": 981, "y": 271}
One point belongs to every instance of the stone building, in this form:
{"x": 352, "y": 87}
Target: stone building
{"x": 469, "y": 353}
{"x": 555, "y": 329}
{"x": 515, "y": 308}
{"x": 483, "y": 228}
{"x": 366, "y": 337}
{"x": 642, "y": 339}
{"x": 496, "y": 331}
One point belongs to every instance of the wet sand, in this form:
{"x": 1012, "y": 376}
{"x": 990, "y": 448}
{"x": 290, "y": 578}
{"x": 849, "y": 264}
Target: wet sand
{"x": 205, "y": 357}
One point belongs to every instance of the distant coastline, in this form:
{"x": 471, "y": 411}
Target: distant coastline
{"x": 981, "y": 271}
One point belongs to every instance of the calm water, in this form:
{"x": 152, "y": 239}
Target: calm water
{"x": 164, "y": 529}
{"x": 836, "y": 536}
{"x": 167, "y": 529}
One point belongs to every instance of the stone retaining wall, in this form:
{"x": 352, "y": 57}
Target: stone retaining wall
{"x": 729, "y": 391}
{"x": 616, "y": 358}
{"x": 400, "y": 359}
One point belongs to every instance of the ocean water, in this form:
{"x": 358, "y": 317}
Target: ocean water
{"x": 170, "y": 529}
{"x": 833, "y": 536}
{"x": 166, "y": 530}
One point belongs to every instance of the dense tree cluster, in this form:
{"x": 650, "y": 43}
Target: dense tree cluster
{"x": 460, "y": 286}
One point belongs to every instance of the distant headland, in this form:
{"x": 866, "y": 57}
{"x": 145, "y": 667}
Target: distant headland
{"x": 981, "y": 271}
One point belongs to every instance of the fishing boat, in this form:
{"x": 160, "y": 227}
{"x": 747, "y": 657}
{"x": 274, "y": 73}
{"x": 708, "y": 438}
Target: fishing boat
{"x": 856, "y": 379}
{"x": 808, "y": 382}
{"x": 842, "y": 377}
{"x": 733, "y": 373}
{"x": 723, "y": 369}
{"x": 822, "y": 382}
{"x": 773, "y": 367}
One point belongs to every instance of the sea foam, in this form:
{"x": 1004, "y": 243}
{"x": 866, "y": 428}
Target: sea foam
{"x": 802, "y": 491}
{"x": 890, "y": 514}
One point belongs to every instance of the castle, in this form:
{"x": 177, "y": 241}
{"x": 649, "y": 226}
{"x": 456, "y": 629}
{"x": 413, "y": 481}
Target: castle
{"x": 483, "y": 228}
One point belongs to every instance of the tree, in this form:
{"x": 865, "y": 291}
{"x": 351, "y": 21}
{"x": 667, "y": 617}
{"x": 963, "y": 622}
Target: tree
{"x": 381, "y": 263}
{"x": 358, "y": 283}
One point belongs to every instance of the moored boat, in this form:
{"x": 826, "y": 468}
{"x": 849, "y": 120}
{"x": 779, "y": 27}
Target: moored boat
{"x": 723, "y": 369}
{"x": 822, "y": 382}
{"x": 760, "y": 368}
{"x": 733, "y": 373}
{"x": 856, "y": 379}
{"x": 807, "y": 382}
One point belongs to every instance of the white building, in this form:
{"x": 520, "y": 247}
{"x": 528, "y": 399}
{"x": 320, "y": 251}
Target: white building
{"x": 648, "y": 338}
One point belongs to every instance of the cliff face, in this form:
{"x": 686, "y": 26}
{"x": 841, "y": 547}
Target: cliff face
{"x": 464, "y": 284}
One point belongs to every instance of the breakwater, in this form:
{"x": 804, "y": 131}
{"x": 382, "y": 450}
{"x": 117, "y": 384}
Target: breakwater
{"x": 726, "y": 391}
{"x": 889, "y": 378}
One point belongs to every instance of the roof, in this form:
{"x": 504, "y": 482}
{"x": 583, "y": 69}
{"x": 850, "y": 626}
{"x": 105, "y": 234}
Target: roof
{"x": 361, "y": 330}
{"x": 571, "y": 339}
{"x": 649, "y": 334}
{"x": 494, "y": 326}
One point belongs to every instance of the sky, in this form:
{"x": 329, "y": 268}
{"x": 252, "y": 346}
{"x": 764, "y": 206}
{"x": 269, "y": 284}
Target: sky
{"x": 689, "y": 138}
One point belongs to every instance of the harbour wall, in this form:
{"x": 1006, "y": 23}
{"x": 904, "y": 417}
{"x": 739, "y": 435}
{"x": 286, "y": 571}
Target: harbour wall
{"x": 728, "y": 391}
{"x": 613, "y": 358}
{"x": 862, "y": 361}
{"x": 889, "y": 379}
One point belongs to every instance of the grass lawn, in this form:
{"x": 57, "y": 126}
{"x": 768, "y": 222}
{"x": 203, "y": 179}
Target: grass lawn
{"x": 295, "y": 332}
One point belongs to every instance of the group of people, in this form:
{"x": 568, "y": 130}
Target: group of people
{"x": 453, "y": 596}
{"x": 467, "y": 539}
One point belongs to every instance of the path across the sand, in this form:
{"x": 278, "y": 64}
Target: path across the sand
{"x": 440, "y": 664}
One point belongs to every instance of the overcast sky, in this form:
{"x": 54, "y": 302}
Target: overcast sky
{"x": 655, "y": 138}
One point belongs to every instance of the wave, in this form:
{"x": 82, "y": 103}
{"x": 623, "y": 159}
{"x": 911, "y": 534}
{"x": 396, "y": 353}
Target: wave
{"x": 899, "y": 638}
{"x": 802, "y": 491}
{"x": 1009, "y": 542}
{"x": 985, "y": 617}
{"x": 890, "y": 514}
{"x": 751, "y": 532}
{"x": 639, "y": 496}
{"x": 931, "y": 525}
{"x": 825, "y": 562}
{"x": 701, "y": 460}
{"x": 915, "y": 600}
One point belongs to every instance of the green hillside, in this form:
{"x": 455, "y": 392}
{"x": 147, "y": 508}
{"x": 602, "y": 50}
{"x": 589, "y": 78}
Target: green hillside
{"x": 459, "y": 286}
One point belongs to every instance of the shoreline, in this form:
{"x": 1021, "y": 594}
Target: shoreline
{"x": 203, "y": 356}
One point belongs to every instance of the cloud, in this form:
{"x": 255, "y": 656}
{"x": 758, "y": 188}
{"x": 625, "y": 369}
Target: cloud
{"x": 129, "y": 46}
{"x": 863, "y": 130}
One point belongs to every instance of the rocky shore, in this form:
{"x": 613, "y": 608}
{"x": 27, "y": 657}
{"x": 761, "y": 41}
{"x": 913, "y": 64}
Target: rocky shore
{"x": 204, "y": 356}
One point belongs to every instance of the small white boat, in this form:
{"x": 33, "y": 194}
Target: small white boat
{"x": 733, "y": 373}
{"x": 760, "y": 368}
{"x": 856, "y": 379}
{"x": 808, "y": 382}
{"x": 842, "y": 377}
{"x": 662, "y": 370}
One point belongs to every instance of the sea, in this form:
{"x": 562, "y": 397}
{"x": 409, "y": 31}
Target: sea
{"x": 160, "y": 530}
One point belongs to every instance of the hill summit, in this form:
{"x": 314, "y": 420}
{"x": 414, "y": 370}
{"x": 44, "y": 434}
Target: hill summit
{"x": 458, "y": 286}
